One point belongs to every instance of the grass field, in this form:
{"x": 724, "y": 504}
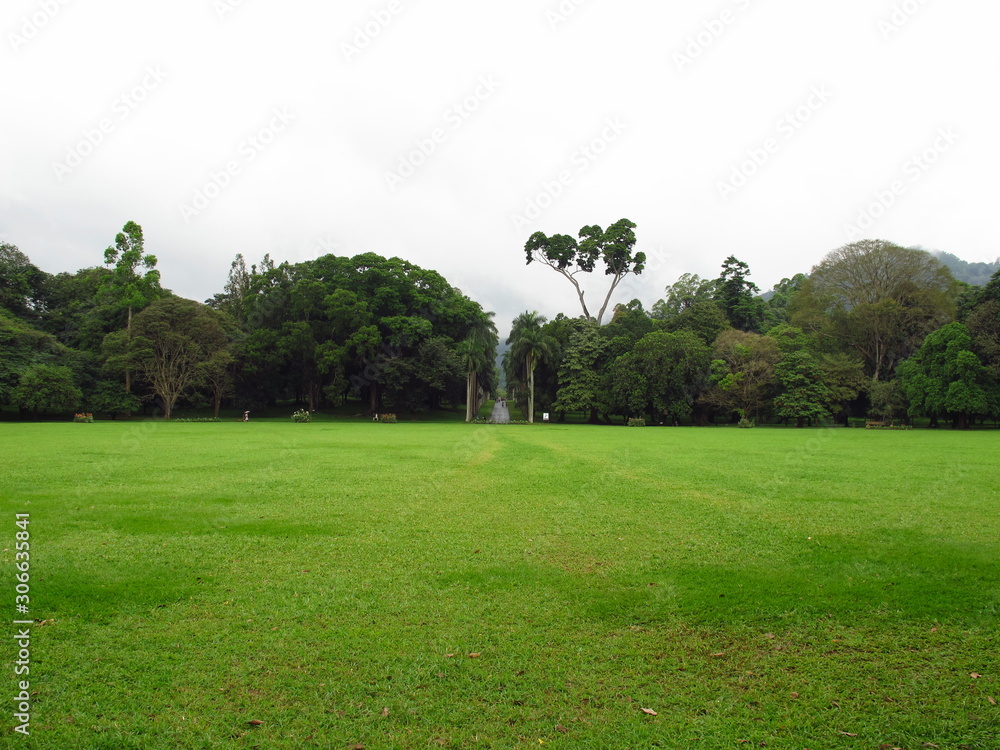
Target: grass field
{"x": 426, "y": 585}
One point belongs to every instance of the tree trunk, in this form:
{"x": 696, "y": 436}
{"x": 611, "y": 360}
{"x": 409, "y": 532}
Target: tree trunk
{"x": 531, "y": 393}
{"x": 614, "y": 283}
{"x": 471, "y": 397}
{"x": 128, "y": 328}
{"x": 468, "y": 397}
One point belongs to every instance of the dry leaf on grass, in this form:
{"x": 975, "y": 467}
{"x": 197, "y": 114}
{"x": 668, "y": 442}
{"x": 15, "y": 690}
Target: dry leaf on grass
{"x": 385, "y": 711}
{"x": 561, "y": 728}
{"x": 650, "y": 711}
{"x": 992, "y": 700}
{"x": 474, "y": 655}
{"x": 848, "y": 734}
{"x": 255, "y": 722}
{"x": 975, "y": 675}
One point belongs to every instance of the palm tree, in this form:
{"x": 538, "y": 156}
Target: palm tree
{"x": 529, "y": 343}
{"x": 476, "y": 353}
{"x": 473, "y": 359}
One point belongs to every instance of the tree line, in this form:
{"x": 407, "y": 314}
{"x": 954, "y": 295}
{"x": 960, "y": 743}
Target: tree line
{"x": 110, "y": 339}
{"x": 874, "y": 330}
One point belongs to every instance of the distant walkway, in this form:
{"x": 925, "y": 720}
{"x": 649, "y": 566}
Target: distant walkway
{"x": 500, "y": 413}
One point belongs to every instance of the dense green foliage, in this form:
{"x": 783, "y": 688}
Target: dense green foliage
{"x": 43, "y": 386}
{"x": 382, "y": 329}
{"x": 853, "y": 338}
{"x": 661, "y": 376}
{"x": 314, "y": 333}
{"x": 830, "y": 345}
{"x": 877, "y": 299}
{"x": 945, "y": 377}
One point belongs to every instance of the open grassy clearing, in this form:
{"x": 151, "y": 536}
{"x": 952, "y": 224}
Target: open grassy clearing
{"x": 799, "y": 588}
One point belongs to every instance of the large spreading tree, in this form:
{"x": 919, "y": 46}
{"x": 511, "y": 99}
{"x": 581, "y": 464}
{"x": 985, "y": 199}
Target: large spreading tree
{"x": 613, "y": 247}
{"x": 877, "y": 299}
{"x": 173, "y": 345}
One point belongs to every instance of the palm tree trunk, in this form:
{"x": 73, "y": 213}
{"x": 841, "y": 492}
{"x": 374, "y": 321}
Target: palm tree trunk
{"x": 474, "y": 393}
{"x": 531, "y": 390}
{"x": 468, "y": 397}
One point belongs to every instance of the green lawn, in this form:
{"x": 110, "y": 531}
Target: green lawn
{"x": 424, "y": 585}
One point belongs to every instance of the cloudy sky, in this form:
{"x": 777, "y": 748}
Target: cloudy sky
{"x": 446, "y": 132}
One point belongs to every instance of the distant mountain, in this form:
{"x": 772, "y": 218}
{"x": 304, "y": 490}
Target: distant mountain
{"x": 501, "y": 375}
{"x": 976, "y": 274}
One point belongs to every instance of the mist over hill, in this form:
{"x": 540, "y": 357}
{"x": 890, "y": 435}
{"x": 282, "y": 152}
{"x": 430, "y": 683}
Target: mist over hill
{"x": 977, "y": 273}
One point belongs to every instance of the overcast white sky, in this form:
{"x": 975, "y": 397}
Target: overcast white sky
{"x": 446, "y": 132}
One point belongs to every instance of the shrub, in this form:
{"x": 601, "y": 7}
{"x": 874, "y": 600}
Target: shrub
{"x": 390, "y": 418}
{"x": 636, "y": 422}
{"x": 47, "y": 387}
{"x": 302, "y": 415}
{"x": 85, "y": 417}
{"x": 112, "y": 399}
{"x": 744, "y": 422}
